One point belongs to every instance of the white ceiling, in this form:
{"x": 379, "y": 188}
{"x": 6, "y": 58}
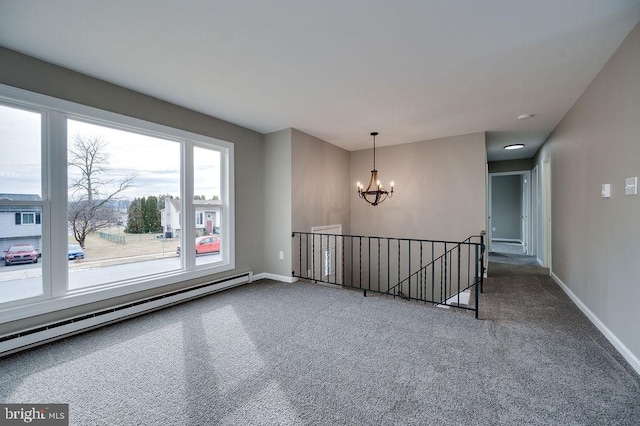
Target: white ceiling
{"x": 338, "y": 69}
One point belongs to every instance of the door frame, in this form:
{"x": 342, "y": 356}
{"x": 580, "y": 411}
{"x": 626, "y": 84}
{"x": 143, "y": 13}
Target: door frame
{"x": 535, "y": 211}
{"x": 546, "y": 212}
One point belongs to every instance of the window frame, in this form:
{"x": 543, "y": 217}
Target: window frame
{"x": 56, "y": 295}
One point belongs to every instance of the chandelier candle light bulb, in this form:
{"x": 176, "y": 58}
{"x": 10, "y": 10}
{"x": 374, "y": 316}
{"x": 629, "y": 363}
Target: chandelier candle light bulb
{"x": 374, "y": 194}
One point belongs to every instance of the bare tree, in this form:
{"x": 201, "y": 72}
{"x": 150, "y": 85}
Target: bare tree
{"x": 92, "y": 191}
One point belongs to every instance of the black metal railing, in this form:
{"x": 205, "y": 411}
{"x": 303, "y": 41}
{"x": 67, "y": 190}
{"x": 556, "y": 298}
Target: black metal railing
{"x": 445, "y": 273}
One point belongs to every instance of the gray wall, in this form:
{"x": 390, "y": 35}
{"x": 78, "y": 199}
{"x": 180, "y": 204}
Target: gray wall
{"x": 506, "y": 206}
{"x": 320, "y": 183}
{"x": 440, "y": 189}
{"x": 277, "y": 202}
{"x": 596, "y": 241}
{"x": 37, "y": 76}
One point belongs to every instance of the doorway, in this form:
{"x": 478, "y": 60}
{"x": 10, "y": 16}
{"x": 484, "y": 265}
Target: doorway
{"x": 509, "y": 212}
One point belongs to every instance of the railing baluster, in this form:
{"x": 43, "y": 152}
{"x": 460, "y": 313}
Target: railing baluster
{"x": 369, "y": 264}
{"x": 399, "y": 263}
{"x": 300, "y": 255}
{"x": 313, "y": 257}
{"x": 433, "y": 271}
{"x": 459, "y": 261}
{"x": 378, "y": 264}
{"x": 409, "y": 274}
{"x": 446, "y": 263}
{"x": 360, "y": 262}
{"x": 482, "y": 254}
{"x": 421, "y": 274}
{"x": 323, "y": 259}
{"x": 388, "y": 265}
{"x": 476, "y": 285}
{"x": 351, "y": 263}
{"x": 468, "y": 263}
{"x": 335, "y": 259}
{"x": 342, "y": 253}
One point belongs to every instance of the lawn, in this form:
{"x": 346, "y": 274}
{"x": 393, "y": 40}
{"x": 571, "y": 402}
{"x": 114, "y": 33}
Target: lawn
{"x": 136, "y": 247}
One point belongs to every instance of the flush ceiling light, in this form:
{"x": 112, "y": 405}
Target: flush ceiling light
{"x": 514, "y": 146}
{"x": 374, "y": 194}
{"x": 525, "y": 116}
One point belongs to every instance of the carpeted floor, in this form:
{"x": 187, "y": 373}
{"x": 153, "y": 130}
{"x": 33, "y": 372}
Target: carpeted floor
{"x": 506, "y": 247}
{"x": 275, "y": 353}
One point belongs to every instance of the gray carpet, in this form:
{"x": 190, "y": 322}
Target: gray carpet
{"x": 274, "y": 353}
{"x": 510, "y": 253}
{"x": 506, "y": 247}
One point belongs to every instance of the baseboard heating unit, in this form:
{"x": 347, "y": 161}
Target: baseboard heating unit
{"x": 18, "y": 341}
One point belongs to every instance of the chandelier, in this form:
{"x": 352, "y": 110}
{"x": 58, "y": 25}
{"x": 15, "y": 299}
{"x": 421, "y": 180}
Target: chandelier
{"x": 374, "y": 193}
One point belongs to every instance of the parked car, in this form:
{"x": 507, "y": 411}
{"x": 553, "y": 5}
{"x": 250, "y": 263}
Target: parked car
{"x": 21, "y": 253}
{"x": 206, "y": 244}
{"x": 75, "y": 252}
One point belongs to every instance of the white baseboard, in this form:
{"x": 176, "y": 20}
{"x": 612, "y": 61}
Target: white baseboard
{"x": 268, "y": 276}
{"x": 620, "y": 347}
{"x": 540, "y": 262}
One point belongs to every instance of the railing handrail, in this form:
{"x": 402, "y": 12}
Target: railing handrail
{"x": 417, "y": 240}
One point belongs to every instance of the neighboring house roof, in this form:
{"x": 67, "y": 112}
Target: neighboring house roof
{"x": 207, "y": 203}
{"x": 20, "y": 197}
{"x": 23, "y": 209}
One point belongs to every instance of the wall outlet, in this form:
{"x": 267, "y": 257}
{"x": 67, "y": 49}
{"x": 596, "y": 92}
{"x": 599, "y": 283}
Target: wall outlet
{"x": 494, "y": 229}
{"x": 606, "y": 190}
{"x": 281, "y": 255}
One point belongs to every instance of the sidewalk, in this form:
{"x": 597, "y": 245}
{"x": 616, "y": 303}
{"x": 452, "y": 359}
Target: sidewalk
{"x": 75, "y": 265}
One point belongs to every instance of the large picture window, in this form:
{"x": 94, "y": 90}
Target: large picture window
{"x": 119, "y": 183}
{"x": 110, "y": 221}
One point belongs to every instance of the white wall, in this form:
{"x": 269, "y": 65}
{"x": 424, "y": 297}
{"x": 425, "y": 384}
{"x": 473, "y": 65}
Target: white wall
{"x": 596, "y": 241}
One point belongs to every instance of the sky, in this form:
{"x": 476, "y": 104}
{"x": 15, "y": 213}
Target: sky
{"x": 154, "y": 162}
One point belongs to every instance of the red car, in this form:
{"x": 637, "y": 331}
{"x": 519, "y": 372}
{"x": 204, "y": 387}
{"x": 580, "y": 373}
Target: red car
{"x": 206, "y": 244}
{"x": 21, "y": 253}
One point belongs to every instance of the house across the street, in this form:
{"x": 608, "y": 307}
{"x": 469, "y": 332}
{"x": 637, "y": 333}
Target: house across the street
{"x": 207, "y": 217}
{"x": 20, "y": 224}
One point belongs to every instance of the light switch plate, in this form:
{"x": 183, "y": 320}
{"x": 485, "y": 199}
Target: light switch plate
{"x": 606, "y": 190}
{"x": 631, "y": 186}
